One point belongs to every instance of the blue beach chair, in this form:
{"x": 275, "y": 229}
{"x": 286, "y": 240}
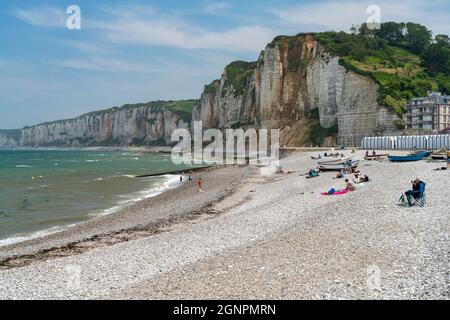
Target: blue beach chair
{"x": 421, "y": 199}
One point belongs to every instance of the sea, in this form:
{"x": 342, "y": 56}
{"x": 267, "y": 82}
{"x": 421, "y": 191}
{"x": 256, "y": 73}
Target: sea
{"x": 43, "y": 191}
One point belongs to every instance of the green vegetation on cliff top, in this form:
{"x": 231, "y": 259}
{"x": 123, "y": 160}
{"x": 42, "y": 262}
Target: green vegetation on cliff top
{"x": 403, "y": 58}
{"x": 238, "y": 73}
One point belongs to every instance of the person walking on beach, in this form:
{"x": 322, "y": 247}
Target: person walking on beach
{"x": 200, "y": 185}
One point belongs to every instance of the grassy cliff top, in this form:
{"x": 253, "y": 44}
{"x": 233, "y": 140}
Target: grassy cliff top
{"x": 238, "y": 73}
{"x": 182, "y": 108}
{"x": 401, "y": 73}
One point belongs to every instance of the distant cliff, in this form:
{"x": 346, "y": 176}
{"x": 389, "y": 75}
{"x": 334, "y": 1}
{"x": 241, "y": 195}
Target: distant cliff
{"x": 297, "y": 85}
{"x": 138, "y": 124}
{"x": 10, "y": 138}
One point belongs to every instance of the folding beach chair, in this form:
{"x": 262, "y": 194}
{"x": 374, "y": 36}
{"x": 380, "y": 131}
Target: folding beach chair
{"x": 421, "y": 200}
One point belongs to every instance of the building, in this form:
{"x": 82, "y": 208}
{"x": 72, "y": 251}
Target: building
{"x": 429, "y": 114}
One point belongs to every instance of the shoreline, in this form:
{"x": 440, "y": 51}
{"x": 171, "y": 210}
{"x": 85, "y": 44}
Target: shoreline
{"x": 115, "y": 207}
{"x": 123, "y": 224}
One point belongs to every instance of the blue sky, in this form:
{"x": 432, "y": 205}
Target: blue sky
{"x": 136, "y": 51}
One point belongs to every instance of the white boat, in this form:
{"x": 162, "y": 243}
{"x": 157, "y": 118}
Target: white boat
{"x": 339, "y": 160}
{"x": 335, "y": 165}
{"x": 439, "y": 156}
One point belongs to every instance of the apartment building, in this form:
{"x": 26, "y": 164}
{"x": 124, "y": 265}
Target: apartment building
{"x": 429, "y": 114}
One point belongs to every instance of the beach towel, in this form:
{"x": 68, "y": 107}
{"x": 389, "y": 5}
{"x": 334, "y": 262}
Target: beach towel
{"x": 335, "y": 193}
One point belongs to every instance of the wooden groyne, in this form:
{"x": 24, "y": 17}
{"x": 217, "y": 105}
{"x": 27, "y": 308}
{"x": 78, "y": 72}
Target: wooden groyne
{"x": 178, "y": 172}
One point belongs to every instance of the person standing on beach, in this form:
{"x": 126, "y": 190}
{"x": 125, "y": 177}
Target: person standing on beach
{"x": 200, "y": 185}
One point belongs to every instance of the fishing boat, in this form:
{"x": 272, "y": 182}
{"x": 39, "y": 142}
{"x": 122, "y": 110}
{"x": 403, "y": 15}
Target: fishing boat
{"x": 440, "y": 155}
{"x": 416, "y": 156}
{"x": 336, "y": 165}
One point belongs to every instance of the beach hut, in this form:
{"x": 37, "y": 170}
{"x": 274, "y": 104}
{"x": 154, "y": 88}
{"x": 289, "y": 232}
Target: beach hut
{"x": 394, "y": 141}
{"x": 433, "y": 142}
{"x": 441, "y": 142}
{"x": 371, "y": 146}
{"x": 364, "y": 143}
{"x": 401, "y": 143}
{"x": 411, "y": 143}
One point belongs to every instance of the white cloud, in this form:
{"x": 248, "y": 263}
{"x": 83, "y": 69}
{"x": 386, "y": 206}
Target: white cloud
{"x": 100, "y": 64}
{"x": 90, "y": 47}
{"x": 216, "y": 7}
{"x": 340, "y": 15}
{"x": 42, "y": 16}
{"x": 143, "y": 25}
{"x": 152, "y": 29}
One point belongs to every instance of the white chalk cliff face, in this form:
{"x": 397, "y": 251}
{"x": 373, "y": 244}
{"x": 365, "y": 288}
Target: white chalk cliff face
{"x": 9, "y": 138}
{"x": 284, "y": 85}
{"x": 148, "y": 124}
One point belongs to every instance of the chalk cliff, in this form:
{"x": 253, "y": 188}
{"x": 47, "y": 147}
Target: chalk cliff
{"x": 10, "y": 138}
{"x": 300, "y": 88}
{"x": 140, "y": 124}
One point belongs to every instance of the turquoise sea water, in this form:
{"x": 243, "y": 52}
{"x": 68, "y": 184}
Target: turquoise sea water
{"x": 44, "y": 190}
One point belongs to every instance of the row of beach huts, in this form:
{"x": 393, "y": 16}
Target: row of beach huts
{"x": 425, "y": 142}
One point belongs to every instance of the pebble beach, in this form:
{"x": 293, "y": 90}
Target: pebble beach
{"x": 252, "y": 236}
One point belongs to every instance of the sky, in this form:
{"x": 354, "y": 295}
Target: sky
{"x": 130, "y": 51}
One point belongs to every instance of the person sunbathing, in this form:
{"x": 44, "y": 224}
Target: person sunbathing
{"x": 349, "y": 185}
{"x": 312, "y": 173}
{"x": 340, "y": 174}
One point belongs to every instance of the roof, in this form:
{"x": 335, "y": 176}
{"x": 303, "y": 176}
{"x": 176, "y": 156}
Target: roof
{"x": 433, "y": 98}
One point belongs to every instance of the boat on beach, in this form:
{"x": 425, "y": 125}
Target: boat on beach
{"x": 336, "y": 165}
{"x": 416, "y": 156}
{"x": 440, "y": 155}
